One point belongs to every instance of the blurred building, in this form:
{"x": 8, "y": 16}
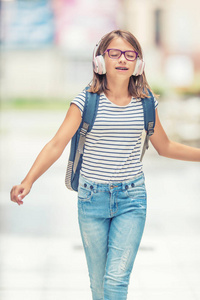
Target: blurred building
{"x": 168, "y": 31}
{"x": 47, "y": 45}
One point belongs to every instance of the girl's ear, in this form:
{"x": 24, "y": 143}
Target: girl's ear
{"x": 139, "y": 67}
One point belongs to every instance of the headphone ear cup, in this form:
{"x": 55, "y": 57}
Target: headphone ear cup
{"x": 99, "y": 66}
{"x": 95, "y": 65}
{"x": 139, "y": 67}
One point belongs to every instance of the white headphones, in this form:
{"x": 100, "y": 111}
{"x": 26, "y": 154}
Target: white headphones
{"x": 99, "y": 66}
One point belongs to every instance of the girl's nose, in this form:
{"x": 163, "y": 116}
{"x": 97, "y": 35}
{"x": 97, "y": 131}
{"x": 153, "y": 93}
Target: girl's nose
{"x": 122, "y": 58}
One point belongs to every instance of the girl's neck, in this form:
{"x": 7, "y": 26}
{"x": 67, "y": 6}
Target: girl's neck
{"x": 118, "y": 92}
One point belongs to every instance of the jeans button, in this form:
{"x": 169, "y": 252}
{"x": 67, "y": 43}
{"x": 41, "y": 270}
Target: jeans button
{"x": 126, "y": 187}
{"x": 91, "y": 187}
{"x": 132, "y": 184}
{"x": 85, "y": 185}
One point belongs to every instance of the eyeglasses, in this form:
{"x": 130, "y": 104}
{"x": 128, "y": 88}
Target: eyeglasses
{"x": 116, "y": 53}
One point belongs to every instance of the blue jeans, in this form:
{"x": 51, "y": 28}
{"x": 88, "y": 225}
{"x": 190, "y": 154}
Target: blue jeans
{"x": 111, "y": 219}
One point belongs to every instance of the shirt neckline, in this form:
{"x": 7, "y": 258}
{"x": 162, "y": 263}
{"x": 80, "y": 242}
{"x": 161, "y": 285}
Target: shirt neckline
{"x": 120, "y": 106}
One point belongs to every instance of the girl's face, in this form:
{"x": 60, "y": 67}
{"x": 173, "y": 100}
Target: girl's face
{"x": 120, "y": 67}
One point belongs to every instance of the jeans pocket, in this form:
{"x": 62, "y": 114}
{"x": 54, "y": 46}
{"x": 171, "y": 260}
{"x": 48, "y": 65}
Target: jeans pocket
{"x": 137, "y": 192}
{"x": 84, "y": 195}
{"x": 137, "y": 196}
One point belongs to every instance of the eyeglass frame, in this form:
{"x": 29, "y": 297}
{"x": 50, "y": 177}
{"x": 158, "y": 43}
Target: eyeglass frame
{"x": 122, "y": 52}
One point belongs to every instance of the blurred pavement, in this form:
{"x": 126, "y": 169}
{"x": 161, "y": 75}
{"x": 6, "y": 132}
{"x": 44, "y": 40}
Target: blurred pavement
{"x": 41, "y": 256}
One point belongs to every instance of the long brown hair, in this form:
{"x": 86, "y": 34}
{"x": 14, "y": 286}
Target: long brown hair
{"x": 138, "y": 85}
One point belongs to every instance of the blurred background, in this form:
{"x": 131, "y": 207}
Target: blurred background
{"x": 47, "y": 45}
{"x": 46, "y": 54}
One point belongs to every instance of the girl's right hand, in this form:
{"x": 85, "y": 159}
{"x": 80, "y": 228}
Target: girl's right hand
{"x": 18, "y": 192}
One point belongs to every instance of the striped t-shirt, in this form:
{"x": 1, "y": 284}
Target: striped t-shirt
{"x": 112, "y": 148}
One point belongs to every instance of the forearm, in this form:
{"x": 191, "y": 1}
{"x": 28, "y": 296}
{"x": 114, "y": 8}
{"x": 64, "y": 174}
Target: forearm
{"x": 165, "y": 147}
{"x": 179, "y": 151}
{"x": 49, "y": 154}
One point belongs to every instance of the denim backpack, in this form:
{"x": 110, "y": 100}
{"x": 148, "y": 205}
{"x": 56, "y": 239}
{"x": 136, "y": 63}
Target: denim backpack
{"x": 88, "y": 118}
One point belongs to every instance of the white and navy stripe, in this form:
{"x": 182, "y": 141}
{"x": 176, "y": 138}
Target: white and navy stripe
{"x": 112, "y": 148}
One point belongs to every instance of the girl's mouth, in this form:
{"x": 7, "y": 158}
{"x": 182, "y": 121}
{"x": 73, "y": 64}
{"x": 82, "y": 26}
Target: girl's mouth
{"x": 122, "y": 68}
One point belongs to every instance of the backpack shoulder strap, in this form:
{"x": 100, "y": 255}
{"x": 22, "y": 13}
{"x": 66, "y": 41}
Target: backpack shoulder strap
{"x": 88, "y": 118}
{"x": 149, "y": 120}
{"x": 90, "y": 109}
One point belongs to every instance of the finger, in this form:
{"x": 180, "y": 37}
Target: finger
{"x": 12, "y": 194}
{"x": 15, "y": 192}
{"x": 23, "y": 193}
{"x": 19, "y": 200}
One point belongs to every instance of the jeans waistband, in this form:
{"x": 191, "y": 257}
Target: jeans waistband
{"x": 122, "y": 185}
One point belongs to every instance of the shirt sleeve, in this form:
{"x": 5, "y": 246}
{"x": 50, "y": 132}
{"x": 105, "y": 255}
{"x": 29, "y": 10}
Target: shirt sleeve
{"x": 155, "y": 102}
{"x": 80, "y": 101}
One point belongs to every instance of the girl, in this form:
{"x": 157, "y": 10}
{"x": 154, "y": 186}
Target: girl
{"x": 112, "y": 195}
